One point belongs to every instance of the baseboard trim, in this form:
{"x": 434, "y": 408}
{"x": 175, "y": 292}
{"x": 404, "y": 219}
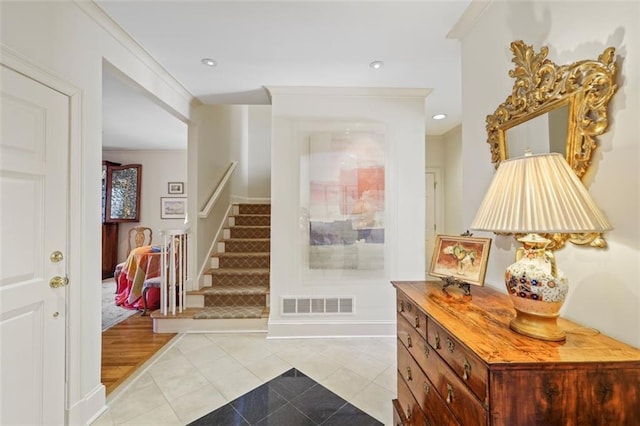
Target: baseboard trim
{"x": 89, "y": 408}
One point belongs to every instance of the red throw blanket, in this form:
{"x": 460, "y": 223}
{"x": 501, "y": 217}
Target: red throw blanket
{"x": 142, "y": 263}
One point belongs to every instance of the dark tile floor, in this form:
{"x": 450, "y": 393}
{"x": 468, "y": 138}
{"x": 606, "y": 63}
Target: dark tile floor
{"x": 292, "y": 399}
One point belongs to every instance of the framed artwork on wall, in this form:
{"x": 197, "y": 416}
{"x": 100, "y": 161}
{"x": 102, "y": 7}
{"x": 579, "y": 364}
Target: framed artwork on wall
{"x": 122, "y": 193}
{"x": 173, "y": 207}
{"x": 345, "y": 195}
{"x": 175, "y": 188}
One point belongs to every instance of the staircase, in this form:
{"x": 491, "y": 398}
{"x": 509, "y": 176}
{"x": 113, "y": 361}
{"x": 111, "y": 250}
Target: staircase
{"x": 240, "y": 270}
{"x": 235, "y": 295}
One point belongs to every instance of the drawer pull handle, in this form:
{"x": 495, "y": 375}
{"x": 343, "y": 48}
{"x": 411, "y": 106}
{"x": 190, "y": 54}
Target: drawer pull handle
{"x": 426, "y": 350}
{"x": 409, "y": 378}
{"x": 409, "y": 307}
{"x": 451, "y": 345}
{"x": 426, "y": 388}
{"x": 449, "y": 393}
{"x": 408, "y": 412}
{"x": 409, "y": 345}
{"x": 467, "y": 369}
{"x": 402, "y": 306}
{"x": 437, "y": 340}
{"x": 417, "y": 321}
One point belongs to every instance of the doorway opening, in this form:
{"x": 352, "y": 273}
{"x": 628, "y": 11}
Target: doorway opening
{"x": 137, "y": 130}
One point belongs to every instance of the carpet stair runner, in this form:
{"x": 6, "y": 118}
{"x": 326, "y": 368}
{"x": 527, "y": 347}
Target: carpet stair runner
{"x": 240, "y": 269}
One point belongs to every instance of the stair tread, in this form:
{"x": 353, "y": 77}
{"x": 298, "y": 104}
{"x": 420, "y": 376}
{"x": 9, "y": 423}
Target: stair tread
{"x": 240, "y": 254}
{"x": 240, "y": 240}
{"x": 214, "y": 312}
{"x": 235, "y": 289}
{"x": 237, "y": 271}
{"x": 245, "y": 239}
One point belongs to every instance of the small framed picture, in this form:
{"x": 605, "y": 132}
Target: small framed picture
{"x": 463, "y": 258}
{"x": 176, "y": 188}
{"x": 173, "y": 207}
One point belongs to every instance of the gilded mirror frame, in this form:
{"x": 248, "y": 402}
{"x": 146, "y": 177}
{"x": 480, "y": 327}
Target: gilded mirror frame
{"x": 541, "y": 86}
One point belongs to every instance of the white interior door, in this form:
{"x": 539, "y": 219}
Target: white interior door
{"x": 433, "y": 213}
{"x": 34, "y": 143}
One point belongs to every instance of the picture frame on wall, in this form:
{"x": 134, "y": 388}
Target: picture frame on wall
{"x": 122, "y": 192}
{"x": 460, "y": 257}
{"x": 173, "y": 207}
{"x": 175, "y": 188}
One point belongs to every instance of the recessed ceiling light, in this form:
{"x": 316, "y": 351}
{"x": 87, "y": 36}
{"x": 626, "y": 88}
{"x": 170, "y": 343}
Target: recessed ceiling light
{"x": 439, "y": 116}
{"x": 376, "y": 65}
{"x": 209, "y": 62}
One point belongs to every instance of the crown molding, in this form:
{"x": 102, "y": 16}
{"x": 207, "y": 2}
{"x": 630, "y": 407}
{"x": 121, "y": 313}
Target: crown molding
{"x": 387, "y": 92}
{"x": 468, "y": 19}
{"x": 124, "y": 38}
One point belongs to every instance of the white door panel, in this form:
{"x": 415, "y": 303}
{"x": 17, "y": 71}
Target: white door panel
{"x": 33, "y": 224}
{"x": 434, "y": 217}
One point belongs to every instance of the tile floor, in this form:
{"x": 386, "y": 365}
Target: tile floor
{"x": 291, "y": 399}
{"x": 200, "y": 373}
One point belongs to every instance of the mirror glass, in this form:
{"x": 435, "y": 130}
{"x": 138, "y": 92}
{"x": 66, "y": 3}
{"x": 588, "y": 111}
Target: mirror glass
{"x": 544, "y": 133}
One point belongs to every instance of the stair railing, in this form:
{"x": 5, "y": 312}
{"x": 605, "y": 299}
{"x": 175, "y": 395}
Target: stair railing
{"x": 174, "y": 270}
{"x": 204, "y": 213}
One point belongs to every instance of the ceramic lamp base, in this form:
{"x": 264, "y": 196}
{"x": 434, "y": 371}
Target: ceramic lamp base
{"x": 537, "y": 326}
{"x": 537, "y": 289}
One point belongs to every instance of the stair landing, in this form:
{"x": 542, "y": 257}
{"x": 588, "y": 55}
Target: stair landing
{"x": 185, "y": 322}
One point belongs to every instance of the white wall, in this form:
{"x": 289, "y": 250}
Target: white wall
{"x": 435, "y": 151}
{"x": 239, "y": 151}
{"x": 219, "y": 128}
{"x": 70, "y": 41}
{"x": 453, "y": 175}
{"x": 158, "y": 169}
{"x": 444, "y": 152}
{"x": 260, "y": 152}
{"x": 251, "y": 148}
{"x": 297, "y": 112}
{"x": 604, "y": 289}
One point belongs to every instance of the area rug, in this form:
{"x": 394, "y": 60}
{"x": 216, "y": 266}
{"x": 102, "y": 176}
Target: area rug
{"x": 111, "y": 313}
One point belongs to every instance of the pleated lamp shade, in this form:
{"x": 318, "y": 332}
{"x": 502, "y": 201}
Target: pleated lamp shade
{"x": 538, "y": 194}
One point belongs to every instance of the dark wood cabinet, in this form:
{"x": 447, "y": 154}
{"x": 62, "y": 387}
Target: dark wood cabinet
{"x": 120, "y": 203}
{"x": 109, "y": 249}
{"x": 109, "y": 230}
{"x": 460, "y": 364}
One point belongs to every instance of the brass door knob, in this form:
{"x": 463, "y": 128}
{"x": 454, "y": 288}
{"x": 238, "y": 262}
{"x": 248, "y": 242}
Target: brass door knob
{"x": 58, "y": 282}
{"x": 56, "y": 256}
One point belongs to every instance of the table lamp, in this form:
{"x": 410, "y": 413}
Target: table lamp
{"x": 532, "y": 195}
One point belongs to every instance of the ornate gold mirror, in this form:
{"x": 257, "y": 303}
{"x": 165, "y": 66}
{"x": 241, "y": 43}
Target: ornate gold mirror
{"x": 554, "y": 108}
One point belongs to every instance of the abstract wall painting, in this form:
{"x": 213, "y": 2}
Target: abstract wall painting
{"x": 346, "y": 201}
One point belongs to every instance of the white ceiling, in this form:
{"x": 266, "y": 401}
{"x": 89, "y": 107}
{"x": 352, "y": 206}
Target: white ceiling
{"x": 288, "y": 43}
{"x": 132, "y": 120}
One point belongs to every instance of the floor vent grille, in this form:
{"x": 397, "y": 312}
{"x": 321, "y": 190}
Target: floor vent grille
{"x": 308, "y": 305}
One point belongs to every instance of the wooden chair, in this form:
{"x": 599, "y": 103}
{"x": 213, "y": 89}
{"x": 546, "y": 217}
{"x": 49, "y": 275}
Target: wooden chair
{"x": 148, "y": 284}
{"x": 138, "y": 236}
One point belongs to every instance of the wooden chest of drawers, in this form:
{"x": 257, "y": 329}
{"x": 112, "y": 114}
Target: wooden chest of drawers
{"x": 460, "y": 364}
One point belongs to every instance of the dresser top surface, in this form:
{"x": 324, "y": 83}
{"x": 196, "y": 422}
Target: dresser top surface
{"x": 481, "y": 322}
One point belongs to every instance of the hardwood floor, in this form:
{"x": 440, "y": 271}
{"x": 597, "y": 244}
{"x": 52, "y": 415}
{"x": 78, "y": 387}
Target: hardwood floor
{"x": 126, "y": 346}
